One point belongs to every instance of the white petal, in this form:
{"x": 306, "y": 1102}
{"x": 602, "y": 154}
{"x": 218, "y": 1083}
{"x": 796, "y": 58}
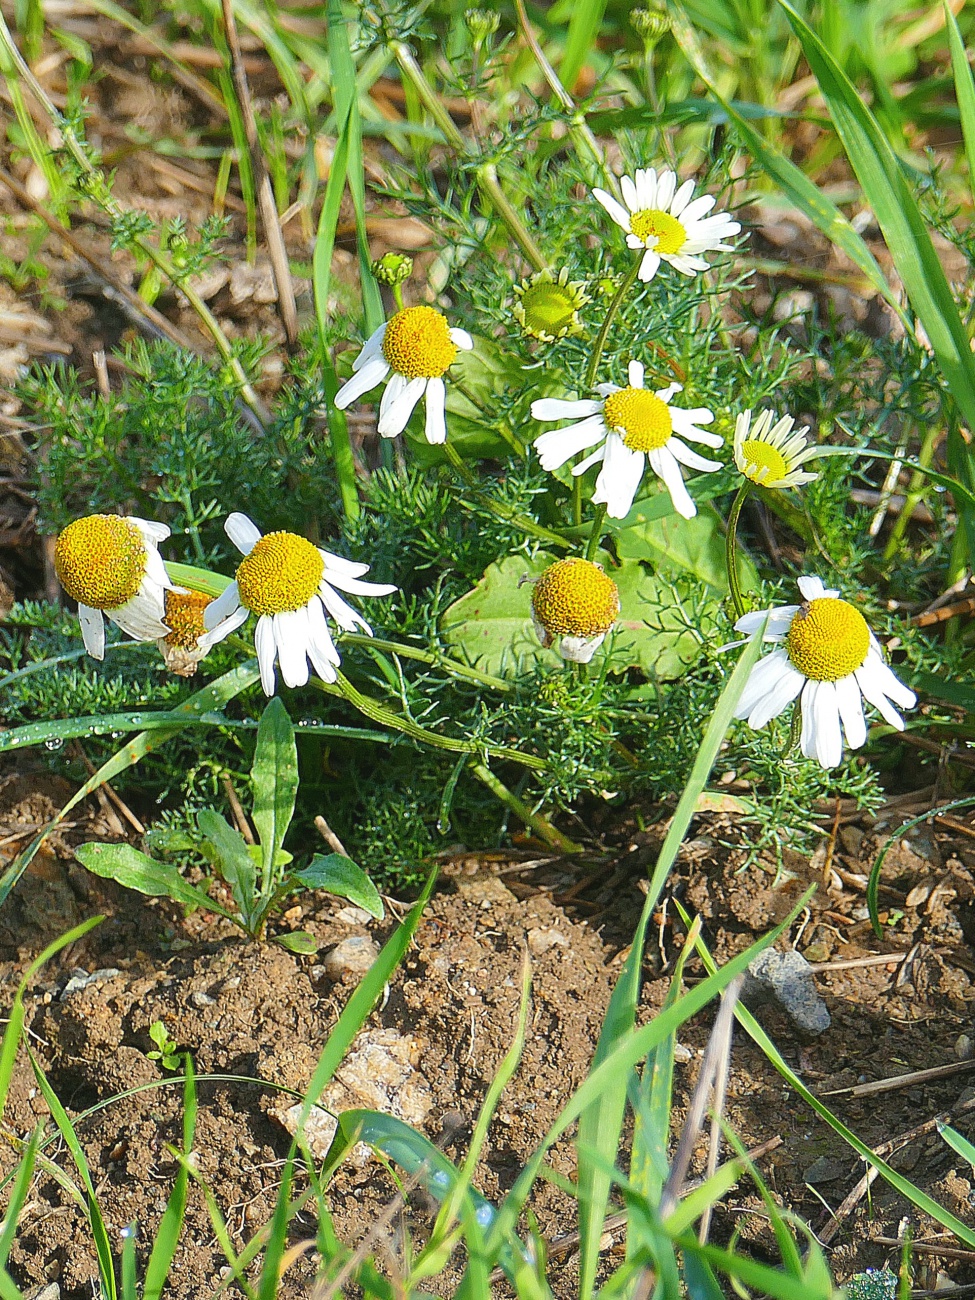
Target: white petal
{"x": 634, "y": 374}
{"x": 630, "y": 197}
{"x": 555, "y": 408}
{"x": 619, "y": 477}
{"x": 666, "y": 186}
{"x": 665, "y": 466}
{"x": 779, "y": 697}
{"x": 682, "y": 198}
{"x": 242, "y": 531}
{"x": 887, "y": 681}
{"x": 92, "y": 630}
{"x": 141, "y": 618}
{"x": 829, "y": 738}
{"x": 580, "y": 649}
{"x": 339, "y": 564}
{"x": 557, "y": 446}
{"x": 588, "y": 462}
{"x": 155, "y": 577}
{"x": 851, "y": 711}
{"x": 291, "y": 639}
{"x": 225, "y": 604}
{"x": 266, "y": 651}
{"x": 394, "y": 415}
{"x": 461, "y": 339}
{"x": 680, "y": 451}
{"x": 613, "y": 207}
{"x": 646, "y": 184}
{"x": 359, "y": 588}
{"x": 153, "y": 532}
{"x": 635, "y": 242}
{"x": 436, "y": 420}
{"x": 223, "y": 629}
{"x": 372, "y": 347}
{"x": 648, "y": 267}
{"x": 811, "y": 588}
{"x": 694, "y": 211}
{"x": 807, "y": 739}
{"x": 372, "y": 373}
{"x": 779, "y": 621}
{"x": 347, "y": 618}
{"x": 321, "y": 648}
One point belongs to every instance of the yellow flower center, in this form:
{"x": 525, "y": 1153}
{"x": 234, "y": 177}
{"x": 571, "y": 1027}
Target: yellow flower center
{"x": 548, "y": 308}
{"x": 417, "y": 343}
{"x": 281, "y": 573}
{"x": 671, "y": 235}
{"x": 184, "y": 617}
{"x": 100, "y": 561}
{"x": 642, "y": 418}
{"x": 575, "y": 598}
{"x": 763, "y": 463}
{"x": 828, "y": 639}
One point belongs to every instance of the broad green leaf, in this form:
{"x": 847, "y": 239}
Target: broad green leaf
{"x": 491, "y": 626}
{"x": 340, "y": 876}
{"x": 138, "y": 871}
{"x": 234, "y": 861}
{"x": 298, "y": 941}
{"x": 274, "y": 779}
{"x": 697, "y": 546}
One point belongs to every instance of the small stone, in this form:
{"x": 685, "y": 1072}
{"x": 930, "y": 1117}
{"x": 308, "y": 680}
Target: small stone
{"x": 200, "y": 999}
{"x": 80, "y": 979}
{"x": 825, "y": 1170}
{"x": 964, "y": 1047}
{"x": 352, "y": 956}
{"x": 353, "y": 916}
{"x": 543, "y": 937}
{"x": 788, "y": 978}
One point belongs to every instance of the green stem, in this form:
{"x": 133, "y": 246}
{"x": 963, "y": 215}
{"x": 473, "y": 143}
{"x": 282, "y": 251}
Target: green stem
{"x": 436, "y": 660}
{"x": 614, "y": 306}
{"x": 592, "y": 546}
{"x": 398, "y": 297}
{"x": 914, "y": 492}
{"x": 498, "y": 426}
{"x": 539, "y": 824}
{"x": 731, "y": 549}
{"x": 508, "y": 513}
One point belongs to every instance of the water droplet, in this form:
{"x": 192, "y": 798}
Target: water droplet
{"x": 54, "y": 743}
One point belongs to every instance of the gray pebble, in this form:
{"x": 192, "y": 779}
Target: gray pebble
{"x": 787, "y": 978}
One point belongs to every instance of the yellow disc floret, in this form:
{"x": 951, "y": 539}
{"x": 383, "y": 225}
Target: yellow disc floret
{"x": 100, "y": 561}
{"x": 641, "y": 417}
{"x": 670, "y": 234}
{"x": 763, "y": 463}
{"x": 184, "y": 617}
{"x": 417, "y": 343}
{"x": 575, "y": 598}
{"x": 828, "y": 639}
{"x": 280, "y": 574}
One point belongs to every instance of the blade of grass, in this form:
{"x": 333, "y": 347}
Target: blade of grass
{"x": 267, "y": 1287}
{"x": 584, "y": 23}
{"x": 171, "y": 1223}
{"x": 964, "y": 91}
{"x": 18, "y": 1194}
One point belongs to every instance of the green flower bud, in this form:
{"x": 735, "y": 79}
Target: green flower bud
{"x": 650, "y": 24}
{"x": 392, "y": 269}
{"x": 481, "y": 23}
{"x": 547, "y": 306}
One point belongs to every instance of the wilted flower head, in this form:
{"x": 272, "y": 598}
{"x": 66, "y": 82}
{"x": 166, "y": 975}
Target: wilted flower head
{"x": 575, "y": 603}
{"x": 183, "y": 616}
{"x": 110, "y": 564}
{"x": 547, "y": 306}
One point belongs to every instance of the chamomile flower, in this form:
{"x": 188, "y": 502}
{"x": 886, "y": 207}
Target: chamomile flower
{"x": 417, "y": 347}
{"x": 183, "y": 615}
{"x": 575, "y": 603}
{"x": 289, "y": 584}
{"x": 830, "y": 659}
{"x": 769, "y": 453}
{"x": 110, "y": 564}
{"x": 668, "y": 222}
{"x": 632, "y": 425}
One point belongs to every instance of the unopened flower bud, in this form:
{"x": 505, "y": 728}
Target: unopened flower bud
{"x": 392, "y": 269}
{"x": 481, "y": 23}
{"x": 650, "y": 24}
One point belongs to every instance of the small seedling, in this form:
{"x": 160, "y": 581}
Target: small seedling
{"x": 260, "y": 875}
{"x": 167, "y": 1053}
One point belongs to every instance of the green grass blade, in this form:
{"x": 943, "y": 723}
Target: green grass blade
{"x": 274, "y": 782}
{"x": 584, "y": 24}
{"x": 267, "y": 1287}
{"x": 760, "y": 1277}
{"x": 964, "y": 91}
{"x": 9, "y": 1290}
{"x": 957, "y": 1143}
{"x": 599, "y": 1128}
{"x": 873, "y": 881}
{"x": 171, "y": 1223}
{"x": 130, "y": 1290}
{"x": 99, "y": 1232}
{"x": 18, "y": 1194}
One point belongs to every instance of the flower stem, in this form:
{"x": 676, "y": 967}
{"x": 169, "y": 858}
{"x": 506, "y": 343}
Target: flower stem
{"x": 508, "y": 513}
{"x": 592, "y": 546}
{"x": 731, "y": 549}
{"x": 614, "y": 306}
{"x": 542, "y": 827}
{"x": 398, "y": 297}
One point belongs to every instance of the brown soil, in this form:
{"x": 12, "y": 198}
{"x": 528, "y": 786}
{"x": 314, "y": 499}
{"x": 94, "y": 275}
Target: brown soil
{"x": 429, "y": 1053}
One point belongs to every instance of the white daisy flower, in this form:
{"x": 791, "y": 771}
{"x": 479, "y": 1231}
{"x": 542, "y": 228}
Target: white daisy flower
{"x": 770, "y": 454}
{"x": 289, "y": 584}
{"x": 576, "y": 604}
{"x": 110, "y": 564}
{"x": 666, "y": 222}
{"x": 632, "y": 425}
{"x": 831, "y": 659}
{"x": 419, "y": 348}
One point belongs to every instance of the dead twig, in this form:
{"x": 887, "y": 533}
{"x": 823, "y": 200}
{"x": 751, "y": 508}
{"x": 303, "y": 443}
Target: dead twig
{"x": 902, "y": 1080}
{"x": 329, "y": 836}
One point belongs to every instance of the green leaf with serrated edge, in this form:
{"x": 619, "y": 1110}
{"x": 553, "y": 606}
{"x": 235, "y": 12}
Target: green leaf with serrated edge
{"x": 234, "y": 861}
{"x": 491, "y": 626}
{"x": 339, "y": 875}
{"x": 274, "y": 779}
{"x": 135, "y": 870}
{"x": 299, "y": 941}
{"x": 697, "y": 546}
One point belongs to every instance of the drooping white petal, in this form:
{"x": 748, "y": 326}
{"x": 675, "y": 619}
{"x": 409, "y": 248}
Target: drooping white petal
{"x": 619, "y": 477}
{"x": 372, "y": 347}
{"x": 588, "y": 462}
{"x": 225, "y": 604}
{"x": 224, "y": 628}
{"x": 680, "y": 451}
{"x": 372, "y": 373}
{"x": 635, "y": 373}
{"x": 613, "y": 207}
{"x": 291, "y": 639}
{"x": 435, "y": 427}
{"x": 557, "y": 446}
{"x": 780, "y": 695}
{"x": 666, "y": 467}
{"x": 266, "y": 651}
{"x": 92, "y": 630}
{"x": 851, "y": 711}
{"x": 807, "y": 738}
{"x": 649, "y": 265}
{"x": 243, "y": 532}
{"x": 828, "y": 737}
{"x": 141, "y": 617}
{"x": 321, "y": 649}
{"x": 356, "y": 587}
{"x": 153, "y": 532}
{"x": 556, "y": 408}
{"x": 396, "y": 415}
{"x": 347, "y": 618}
{"x": 155, "y": 575}
{"x": 887, "y": 681}
{"x": 760, "y": 681}
{"x": 580, "y": 649}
